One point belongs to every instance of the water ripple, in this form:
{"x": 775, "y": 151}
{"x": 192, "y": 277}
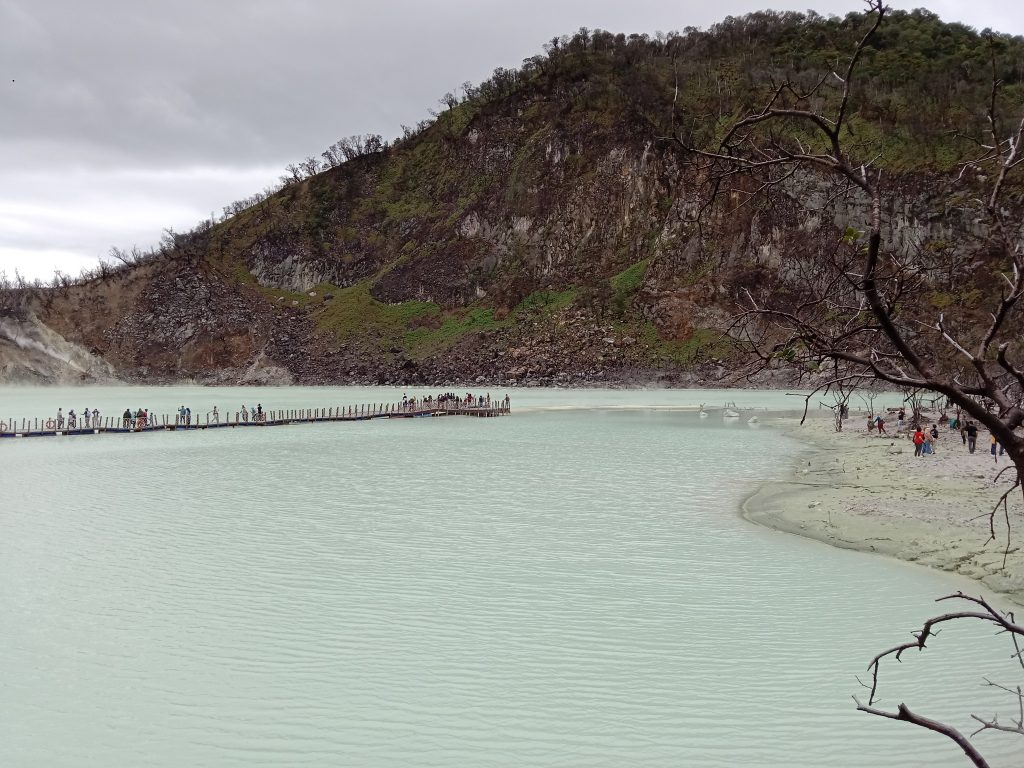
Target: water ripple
{"x": 557, "y": 589}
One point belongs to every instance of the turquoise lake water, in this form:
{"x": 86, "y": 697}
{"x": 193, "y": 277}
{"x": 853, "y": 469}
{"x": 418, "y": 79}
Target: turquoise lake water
{"x": 568, "y": 586}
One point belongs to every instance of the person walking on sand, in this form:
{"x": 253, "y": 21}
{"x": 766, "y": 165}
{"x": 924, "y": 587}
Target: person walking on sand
{"x": 992, "y": 448}
{"x": 935, "y": 436}
{"x": 880, "y": 424}
{"x": 972, "y": 436}
{"x": 918, "y": 441}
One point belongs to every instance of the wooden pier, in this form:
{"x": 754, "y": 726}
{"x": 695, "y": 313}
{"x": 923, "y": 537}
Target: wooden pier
{"x": 274, "y": 418}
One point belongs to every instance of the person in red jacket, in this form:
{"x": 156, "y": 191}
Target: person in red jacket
{"x": 918, "y": 440}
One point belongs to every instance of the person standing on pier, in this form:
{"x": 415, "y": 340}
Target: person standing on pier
{"x": 216, "y": 415}
{"x": 60, "y": 418}
{"x": 245, "y": 413}
{"x": 126, "y": 418}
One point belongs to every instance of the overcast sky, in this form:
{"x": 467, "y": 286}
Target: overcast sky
{"x": 121, "y": 117}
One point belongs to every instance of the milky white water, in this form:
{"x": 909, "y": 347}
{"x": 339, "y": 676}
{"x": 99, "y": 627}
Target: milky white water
{"x": 568, "y": 586}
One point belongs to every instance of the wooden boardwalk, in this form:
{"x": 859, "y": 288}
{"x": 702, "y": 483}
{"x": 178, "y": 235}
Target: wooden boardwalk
{"x": 117, "y": 425}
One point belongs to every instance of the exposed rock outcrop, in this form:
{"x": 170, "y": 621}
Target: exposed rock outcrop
{"x": 31, "y": 353}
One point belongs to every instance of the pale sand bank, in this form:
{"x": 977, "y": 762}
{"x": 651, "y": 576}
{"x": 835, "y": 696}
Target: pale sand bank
{"x": 871, "y": 493}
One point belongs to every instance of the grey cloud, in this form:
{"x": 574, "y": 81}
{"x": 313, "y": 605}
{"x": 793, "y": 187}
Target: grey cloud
{"x": 265, "y": 81}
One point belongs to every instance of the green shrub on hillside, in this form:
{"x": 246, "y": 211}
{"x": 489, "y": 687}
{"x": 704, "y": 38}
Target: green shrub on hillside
{"x": 546, "y": 302}
{"x": 626, "y": 284}
{"x": 354, "y": 312}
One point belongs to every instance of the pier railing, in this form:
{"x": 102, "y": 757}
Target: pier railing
{"x": 270, "y": 418}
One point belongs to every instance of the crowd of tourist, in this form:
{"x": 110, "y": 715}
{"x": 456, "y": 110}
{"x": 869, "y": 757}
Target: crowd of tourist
{"x": 926, "y": 438}
{"x": 450, "y": 400}
{"x": 143, "y": 417}
{"x": 89, "y": 419}
{"x": 140, "y": 418}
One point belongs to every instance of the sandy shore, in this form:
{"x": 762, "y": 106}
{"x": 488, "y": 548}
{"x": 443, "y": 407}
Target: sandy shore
{"x": 871, "y": 493}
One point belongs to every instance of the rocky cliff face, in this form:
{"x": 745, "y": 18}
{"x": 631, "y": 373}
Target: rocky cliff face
{"x": 543, "y": 230}
{"x": 31, "y": 353}
{"x": 584, "y": 276}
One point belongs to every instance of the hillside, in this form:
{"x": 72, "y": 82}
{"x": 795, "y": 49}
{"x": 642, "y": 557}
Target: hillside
{"x": 543, "y": 228}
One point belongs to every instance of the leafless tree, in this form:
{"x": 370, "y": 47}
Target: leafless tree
{"x": 332, "y": 157}
{"x": 979, "y": 610}
{"x": 61, "y": 281}
{"x": 449, "y": 100}
{"x": 294, "y": 174}
{"x": 915, "y": 398}
{"x": 838, "y": 389}
{"x": 841, "y": 391}
{"x": 868, "y": 397}
{"x": 310, "y": 166}
{"x": 128, "y": 258}
{"x": 847, "y": 307}
{"x": 8, "y": 296}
